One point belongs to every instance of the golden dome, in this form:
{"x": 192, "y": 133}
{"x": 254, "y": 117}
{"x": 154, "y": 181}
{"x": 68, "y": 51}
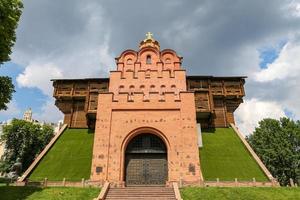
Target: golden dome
{"x": 149, "y": 41}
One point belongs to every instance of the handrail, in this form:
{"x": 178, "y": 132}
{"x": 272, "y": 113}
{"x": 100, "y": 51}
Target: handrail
{"x": 253, "y": 154}
{"x": 103, "y": 192}
{"x": 176, "y": 191}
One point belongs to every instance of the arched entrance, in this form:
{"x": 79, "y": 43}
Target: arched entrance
{"x": 146, "y": 161}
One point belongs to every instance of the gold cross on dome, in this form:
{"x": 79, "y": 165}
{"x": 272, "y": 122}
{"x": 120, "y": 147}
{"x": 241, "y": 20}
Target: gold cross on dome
{"x": 149, "y": 35}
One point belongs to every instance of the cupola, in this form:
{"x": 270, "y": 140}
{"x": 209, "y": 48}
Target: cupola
{"x": 149, "y": 41}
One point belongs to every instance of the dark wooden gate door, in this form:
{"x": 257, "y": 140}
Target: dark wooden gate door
{"x": 146, "y": 161}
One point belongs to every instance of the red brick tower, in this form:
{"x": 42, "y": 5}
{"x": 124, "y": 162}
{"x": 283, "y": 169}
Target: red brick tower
{"x": 146, "y": 129}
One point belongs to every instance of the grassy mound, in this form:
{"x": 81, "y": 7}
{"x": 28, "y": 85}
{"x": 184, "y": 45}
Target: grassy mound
{"x": 194, "y": 193}
{"x": 70, "y": 157}
{"x": 224, "y": 156}
{"x": 57, "y": 193}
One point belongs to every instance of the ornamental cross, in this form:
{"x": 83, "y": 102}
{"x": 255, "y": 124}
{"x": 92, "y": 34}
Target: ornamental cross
{"x": 149, "y": 35}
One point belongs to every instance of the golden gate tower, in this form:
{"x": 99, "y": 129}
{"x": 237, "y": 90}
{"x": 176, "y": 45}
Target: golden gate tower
{"x": 146, "y": 129}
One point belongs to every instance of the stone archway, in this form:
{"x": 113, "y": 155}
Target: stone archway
{"x": 146, "y": 160}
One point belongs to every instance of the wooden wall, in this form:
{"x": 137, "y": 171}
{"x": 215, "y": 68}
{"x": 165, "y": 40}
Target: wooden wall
{"x": 78, "y": 99}
{"x": 216, "y": 99}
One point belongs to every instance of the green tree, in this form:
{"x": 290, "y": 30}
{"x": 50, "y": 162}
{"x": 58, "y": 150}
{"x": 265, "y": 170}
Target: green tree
{"x": 10, "y": 12}
{"x": 277, "y": 143}
{"x": 6, "y": 90}
{"x": 23, "y": 140}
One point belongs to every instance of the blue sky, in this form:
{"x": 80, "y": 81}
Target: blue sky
{"x": 268, "y": 55}
{"x": 24, "y": 97}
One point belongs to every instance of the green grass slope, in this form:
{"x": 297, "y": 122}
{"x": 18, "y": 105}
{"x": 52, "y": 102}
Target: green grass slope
{"x": 193, "y": 193}
{"x": 224, "y": 156}
{"x": 70, "y": 157}
{"x": 57, "y": 193}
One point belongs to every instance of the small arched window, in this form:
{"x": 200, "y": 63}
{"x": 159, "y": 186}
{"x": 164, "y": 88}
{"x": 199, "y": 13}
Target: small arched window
{"x": 173, "y": 89}
{"x": 162, "y": 89}
{"x": 152, "y": 88}
{"x": 168, "y": 61}
{"x": 148, "y": 59}
{"x": 131, "y": 89}
{"x": 129, "y": 61}
{"x": 142, "y": 88}
{"x": 121, "y": 88}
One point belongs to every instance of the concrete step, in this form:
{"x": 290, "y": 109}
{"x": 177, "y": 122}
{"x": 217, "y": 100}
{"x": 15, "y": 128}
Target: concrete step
{"x": 142, "y": 193}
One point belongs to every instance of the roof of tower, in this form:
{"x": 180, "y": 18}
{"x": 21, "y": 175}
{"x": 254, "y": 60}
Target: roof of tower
{"x": 149, "y": 41}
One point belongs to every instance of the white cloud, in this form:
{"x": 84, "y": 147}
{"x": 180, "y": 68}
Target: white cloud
{"x": 287, "y": 65}
{"x": 252, "y": 111}
{"x": 49, "y": 113}
{"x": 294, "y": 8}
{"x": 12, "y": 111}
{"x": 39, "y": 75}
{"x": 72, "y": 44}
{"x": 79, "y": 39}
{"x": 89, "y": 61}
{"x": 281, "y": 79}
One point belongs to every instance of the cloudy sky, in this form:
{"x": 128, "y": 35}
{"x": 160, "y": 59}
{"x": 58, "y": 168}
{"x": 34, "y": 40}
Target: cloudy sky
{"x": 78, "y": 39}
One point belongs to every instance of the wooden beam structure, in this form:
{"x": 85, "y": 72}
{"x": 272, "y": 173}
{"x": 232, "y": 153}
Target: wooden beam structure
{"x": 216, "y": 99}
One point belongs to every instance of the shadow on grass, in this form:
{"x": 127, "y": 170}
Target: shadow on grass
{"x": 209, "y": 130}
{"x": 19, "y": 193}
{"x": 91, "y": 131}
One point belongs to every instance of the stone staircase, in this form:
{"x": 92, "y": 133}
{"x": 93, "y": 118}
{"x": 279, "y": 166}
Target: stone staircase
{"x": 141, "y": 193}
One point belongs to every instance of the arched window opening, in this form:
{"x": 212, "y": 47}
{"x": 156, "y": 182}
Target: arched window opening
{"x": 129, "y": 61}
{"x": 131, "y": 89}
{"x": 121, "y": 88}
{"x": 142, "y": 88}
{"x": 162, "y": 89}
{"x": 168, "y": 61}
{"x": 152, "y": 88}
{"x": 148, "y": 59}
{"x": 173, "y": 88}
{"x": 146, "y": 143}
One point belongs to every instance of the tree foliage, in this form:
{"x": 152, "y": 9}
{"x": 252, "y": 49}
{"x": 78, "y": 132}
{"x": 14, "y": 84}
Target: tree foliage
{"x": 10, "y": 12}
{"x": 277, "y": 143}
{"x": 6, "y": 90}
{"x": 23, "y": 140}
